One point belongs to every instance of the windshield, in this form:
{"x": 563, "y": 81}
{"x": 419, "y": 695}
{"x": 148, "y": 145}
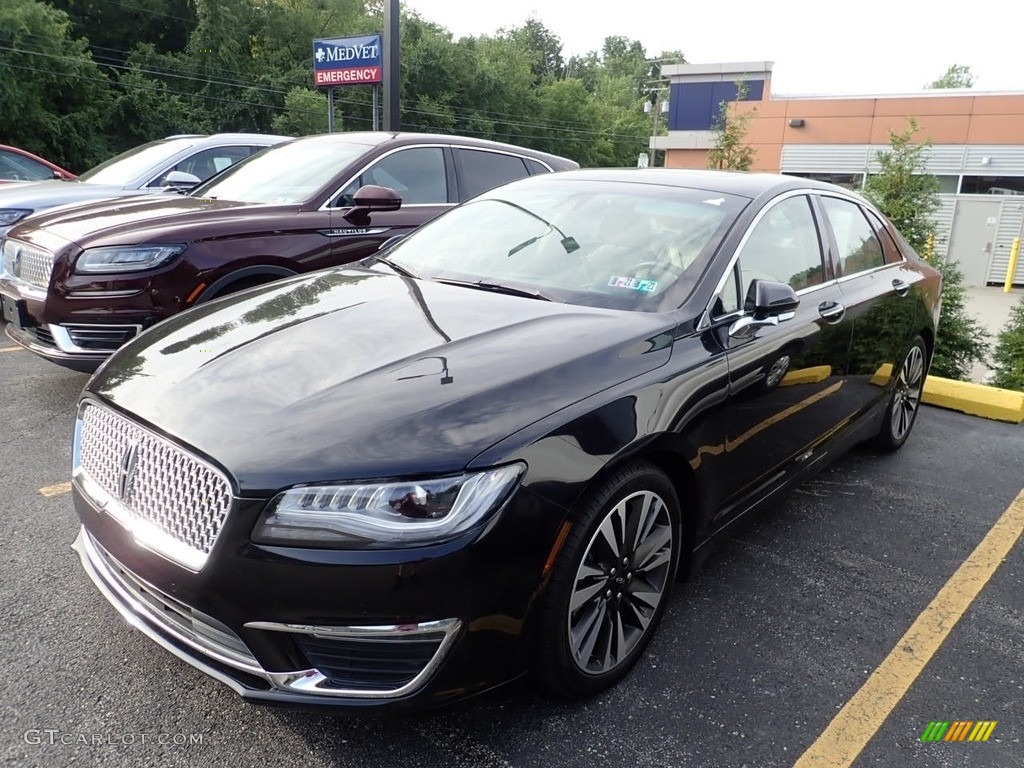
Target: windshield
{"x": 597, "y": 243}
{"x": 129, "y": 166}
{"x": 287, "y": 174}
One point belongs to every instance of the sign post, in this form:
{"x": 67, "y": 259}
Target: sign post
{"x": 341, "y": 61}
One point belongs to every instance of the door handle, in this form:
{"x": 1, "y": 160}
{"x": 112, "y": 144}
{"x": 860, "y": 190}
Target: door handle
{"x": 831, "y": 311}
{"x": 900, "y": 287}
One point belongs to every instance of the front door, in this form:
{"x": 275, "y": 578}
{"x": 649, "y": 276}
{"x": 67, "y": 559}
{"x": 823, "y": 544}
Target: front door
{"x": 786, "y": 383}
{"x": 973, "y": 236}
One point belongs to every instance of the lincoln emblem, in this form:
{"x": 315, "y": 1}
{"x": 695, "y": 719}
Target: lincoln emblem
{"x": 126, "y": 474}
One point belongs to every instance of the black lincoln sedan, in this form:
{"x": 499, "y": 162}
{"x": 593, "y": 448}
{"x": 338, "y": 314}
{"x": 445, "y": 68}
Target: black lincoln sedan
{"x": 490, "y": 449}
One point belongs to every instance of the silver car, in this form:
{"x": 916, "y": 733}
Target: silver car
{"x": 177, "y": 162}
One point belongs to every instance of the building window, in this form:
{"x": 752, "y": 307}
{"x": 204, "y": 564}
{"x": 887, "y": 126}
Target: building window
{"x": 992, "y": 185}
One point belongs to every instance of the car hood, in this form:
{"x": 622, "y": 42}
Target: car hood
{"x": 126, "y": 220}
{"x": 347, "y": 374}
{"x": 37, "y": 195}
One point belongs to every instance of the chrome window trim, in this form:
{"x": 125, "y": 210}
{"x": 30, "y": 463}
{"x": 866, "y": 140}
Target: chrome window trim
{"x": 62, "y": 338}
{"x": 187, "y": 153}
{"x": 863, "y": 272}
{"x": 309, "y": 681}
{"x": 505, "y": 152}
{"x": 705, "y": 319}
{"x": 327, "y": 207}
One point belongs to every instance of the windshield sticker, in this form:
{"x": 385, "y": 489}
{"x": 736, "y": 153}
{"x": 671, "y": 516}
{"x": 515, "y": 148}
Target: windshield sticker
{"x": 715, "y": 201}
{"x": 647, "y": 286}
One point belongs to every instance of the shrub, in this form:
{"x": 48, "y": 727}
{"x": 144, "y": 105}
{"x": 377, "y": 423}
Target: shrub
{"x": 961, "y": 341}
{"x": 1009, "y": 353}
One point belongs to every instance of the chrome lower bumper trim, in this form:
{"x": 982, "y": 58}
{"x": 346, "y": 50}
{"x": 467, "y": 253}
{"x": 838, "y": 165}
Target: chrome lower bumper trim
{"x": 309, "y": 683}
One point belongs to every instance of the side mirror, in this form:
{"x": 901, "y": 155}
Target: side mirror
{"x": 180, "y": 180}
{"x": 370, "y": 198}
{"x": 771, "y": 304}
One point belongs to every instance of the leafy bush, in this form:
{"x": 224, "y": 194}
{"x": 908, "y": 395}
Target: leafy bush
{"x": 1009, "y": 354}
{"x": 961, "y": 341}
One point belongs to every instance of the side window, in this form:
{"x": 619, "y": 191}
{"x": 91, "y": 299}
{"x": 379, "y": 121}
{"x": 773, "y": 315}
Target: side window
{"x": 728, "y": 300}
{"x": 17, "y": 168}
{"x": 417, "y": 175}
{"x": 206, "y": 163}
{"x": 480, "y": 170}
{"x": 783, "y": 246}
{"x": 859, "y": 248}
{"x": 889, "y": 247}
{"x": 535, "y": 166}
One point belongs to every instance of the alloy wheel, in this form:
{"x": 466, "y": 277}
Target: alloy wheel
{"x": 907, "y": 396}
{"x": 620, "y": 582}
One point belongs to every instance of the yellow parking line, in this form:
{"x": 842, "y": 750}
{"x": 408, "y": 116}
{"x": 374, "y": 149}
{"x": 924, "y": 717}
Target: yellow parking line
{"x": 858, "y": 721}
{"x": 9, "y": 349}
{"x": 56, "y": 490}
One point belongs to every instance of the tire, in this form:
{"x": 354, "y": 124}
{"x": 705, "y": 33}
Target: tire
{"x": 905, "y": 401}
{"x": 609, "y": 586}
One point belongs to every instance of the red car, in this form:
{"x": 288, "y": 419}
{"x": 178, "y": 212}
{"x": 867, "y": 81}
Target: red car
{"x": 19, "y": 165}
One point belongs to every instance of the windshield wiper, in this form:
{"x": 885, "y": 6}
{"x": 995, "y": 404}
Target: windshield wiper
{"x": 499, "y": 288}
{"x": 397, "y": 267}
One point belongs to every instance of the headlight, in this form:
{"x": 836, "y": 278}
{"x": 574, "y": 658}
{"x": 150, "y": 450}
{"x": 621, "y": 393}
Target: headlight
{"x": 9, "y": 216}
{"x": 125, "y": 258}
{"x": 386, "y": 515}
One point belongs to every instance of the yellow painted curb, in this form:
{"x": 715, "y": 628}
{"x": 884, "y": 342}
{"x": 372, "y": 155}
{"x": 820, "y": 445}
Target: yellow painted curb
{"x": 965, "y": 396}
{"x": 975, "y": 399}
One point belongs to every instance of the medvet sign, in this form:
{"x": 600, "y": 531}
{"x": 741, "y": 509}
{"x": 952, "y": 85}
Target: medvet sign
{"x": 347, "y": 60}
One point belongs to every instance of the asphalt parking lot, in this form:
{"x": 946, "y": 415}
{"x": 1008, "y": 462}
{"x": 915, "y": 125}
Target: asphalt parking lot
{"x": 756, "y": 656}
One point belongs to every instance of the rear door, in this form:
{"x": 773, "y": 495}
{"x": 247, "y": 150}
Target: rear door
{"x": 480, "y": 170}
{"x": 877, "y": 289}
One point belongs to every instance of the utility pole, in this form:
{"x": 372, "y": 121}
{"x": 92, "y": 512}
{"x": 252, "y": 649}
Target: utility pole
{"x": 392, "y": 73}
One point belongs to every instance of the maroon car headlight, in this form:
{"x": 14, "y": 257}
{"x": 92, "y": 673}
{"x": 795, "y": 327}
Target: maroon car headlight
{"x": 125, "y": 258}
{"x": 385, "y": 515}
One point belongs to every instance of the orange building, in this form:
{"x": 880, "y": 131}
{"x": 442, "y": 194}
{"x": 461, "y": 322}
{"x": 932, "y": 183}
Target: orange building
{"x": 977, "y": 148}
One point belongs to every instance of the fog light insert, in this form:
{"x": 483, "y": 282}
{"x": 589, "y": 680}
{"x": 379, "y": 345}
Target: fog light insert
{"x": 374, "y": 661}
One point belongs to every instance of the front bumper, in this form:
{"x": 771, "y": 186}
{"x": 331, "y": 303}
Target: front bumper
{"x": 215, "y": 649}
{"x": 363, "y": 630}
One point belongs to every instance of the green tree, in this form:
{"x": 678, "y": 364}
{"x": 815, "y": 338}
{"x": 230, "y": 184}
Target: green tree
{"x": 1008, "y": 358}
{"x": 305, "y": 113}
{"x": 730, "y": 150}
{"x": 53, "y": 96}
{"x": 956, "y": 76}
{"x": 903, "y": 190}
{"x": 908, "y": 195}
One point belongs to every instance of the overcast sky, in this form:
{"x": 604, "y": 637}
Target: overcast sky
{"x": 820, "y": 47}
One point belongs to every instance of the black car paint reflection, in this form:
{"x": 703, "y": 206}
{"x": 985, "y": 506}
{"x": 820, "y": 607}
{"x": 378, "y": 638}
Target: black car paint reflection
{"x": 366, "y": 374}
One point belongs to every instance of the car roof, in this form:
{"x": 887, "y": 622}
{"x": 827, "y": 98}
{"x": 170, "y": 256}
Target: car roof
{"x": 259, "y": 138}
{"x": 377, "y": 138}
{"x": 742, "y": 183}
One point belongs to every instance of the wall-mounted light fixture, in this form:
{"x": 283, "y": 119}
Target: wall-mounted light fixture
{"x": 796, "y": 122}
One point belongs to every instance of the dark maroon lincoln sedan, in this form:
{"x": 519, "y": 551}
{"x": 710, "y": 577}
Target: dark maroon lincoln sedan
{"x": 491, "y": 448}
{"x": 79, "y": 281}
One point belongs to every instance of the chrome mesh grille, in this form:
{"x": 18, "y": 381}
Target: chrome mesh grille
{"x": 180, "y": 496}
{"x": 27, "y": 263}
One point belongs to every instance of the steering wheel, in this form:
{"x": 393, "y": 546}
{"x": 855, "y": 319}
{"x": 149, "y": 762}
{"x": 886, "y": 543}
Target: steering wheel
{"x": 655, "y": 268}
